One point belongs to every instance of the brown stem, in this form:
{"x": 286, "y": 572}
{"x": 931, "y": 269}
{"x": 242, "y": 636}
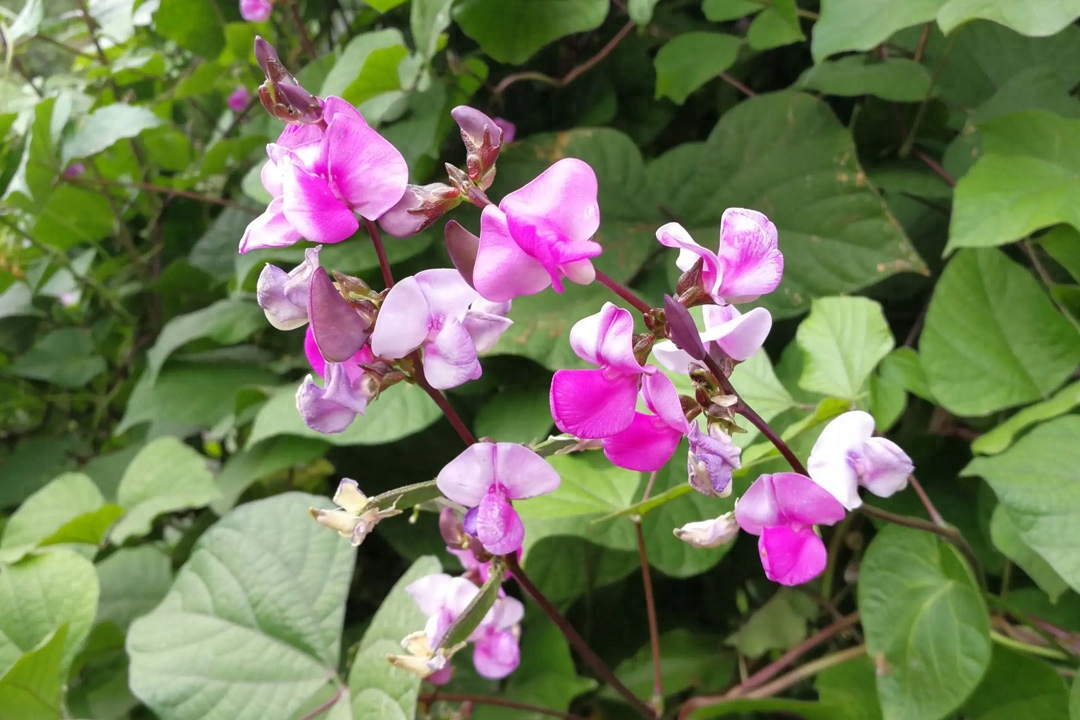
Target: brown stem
{"x": 574, "y": 72}
{"x": 924, "y": 37}
{"x": 326, "y": 705}
{"x": 448, "y": 410}
{"x": 933, "y": 165}
{"x": 946, "y": 532}
{"x": 927, "y": 503}
{"x": 657, "y": 699}
{"x": 737, "y": 85}
{"x": 622, "y": 291}
{"x": 576, "y": 641}
{"x": 305, "y": 39}
{"x": 380, "y": 252}
{"x": 495, "y": 702}
{"x": 808, "y": 670}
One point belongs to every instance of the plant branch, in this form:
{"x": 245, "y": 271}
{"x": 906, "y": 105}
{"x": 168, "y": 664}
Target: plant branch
{"x": 164, "y": 190}
{"x": 326, "y": 705}
{"x": 305, "y": 39}
{"x": 808, "y": 670}
{"x": 948, "y": 533}
{"x": 927, "y": 503}
{"x": 935, "y": 166}
{"x": 380, "y": 251}
{"x": 574, "y": 72}
{"x": 448, "y": 410}
{"x": 657, "y": 699}
{"x": 576, "y": 641}
{"x": 622, "y": 291}
{"x": 495, "y": 702}
{"x": 738, "y": 85}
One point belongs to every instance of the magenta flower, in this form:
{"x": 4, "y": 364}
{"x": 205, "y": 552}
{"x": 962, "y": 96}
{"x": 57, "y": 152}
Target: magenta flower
{"x": 847, "y": 455}
{"x": 345, "y": 393}
{"x": 284, "y": 296}
{"x": 484, "y": 478}
{"x": 782, "y": 509}
{"x": 256, "y": 10}
{"x": 239, "y": 99}
{"x": 748, "y": 264}
{"x": 74, "y": 170}
{"x": 649, "y": 441}
{"x": 321, "y": 179}
{"x": 540, "y": 234}
{"x": 711, "y": 460}
{"x": 437, "y": 310}
{"x": 736, "y": 335}
{"x": 599, "y": 403}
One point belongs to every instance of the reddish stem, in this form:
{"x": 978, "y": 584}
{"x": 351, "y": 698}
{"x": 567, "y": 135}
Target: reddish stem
{"x": 657, "y": 699}
{"x": 326, "y": 705}
{"x": 622, "y": 291}
{"x": 574, "y": 72}
{"x": 380, "y": 252}
{"x": 448, "y": 410}
{"x": 496, "y": 702}
{"x": 927, "y": 503}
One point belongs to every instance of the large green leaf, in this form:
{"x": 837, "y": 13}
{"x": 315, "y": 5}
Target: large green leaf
{"x": 30, "y": 690}
{"x": 998, "y": 439}
{"x": 896, "y": 79}
{"x": 992, "y": 338}
{"x": 73, "y": 215}
{"x": 687, "y": 660}
{"x": 63, "y": 357}
{"x": 1005, "y": 534}
{"x": 786, "y": 155}
{"x": 510, "y": 31}
{"x": 1038, "y": 19}
{"x": 133, "y": 581}
{"x": 226, "y": 322}
{"x": 1018, "y": 685}
{"x": 252, "y": 625}
{"x": 1025, "y": 180}
{"x": 689, "y": 60}
{"x": 864, "y": 24}
{"x": 105, "y": 126}
{"x": 843, "y": 340}
{"x": 925, "y": 621}
{"x": 59, "y": 512}
{"x": 261, "y": 460}
{"x": 192, "y": 24}
{"x": 1038, "y": 481}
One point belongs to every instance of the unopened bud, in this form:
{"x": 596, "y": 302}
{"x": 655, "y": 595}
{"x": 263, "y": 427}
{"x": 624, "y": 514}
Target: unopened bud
{"x": 709, "y": 533}
{"x": 462, "y": 246}
{"x": 483, "y": 139}
{"x": 458, "y": 178}
{"x": 690, "y": 280}
{"x": 419, "y": 208}
{"x": 281, "y": 94}
{"x": 681, "y": 329}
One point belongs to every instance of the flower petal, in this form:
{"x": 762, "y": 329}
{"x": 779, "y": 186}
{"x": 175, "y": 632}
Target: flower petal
{"x": 498, "y": 526}
{"x": 670, "y": 356}
{"x": 790, "y": 556}
{"x": 832, "y": 462}
{"x": 466, "y": 478}
{"x": 563, "y": 198}
{"x": 270, "y": 294}
{"x": 522, "y": 472}
{"x": 884, "y": 468}
{"x": 741, "y": 336}
{"x": 329, "y": 409}
{"x": 662, "y": 398}
{"x": 450, "y": 359}
{"x": 403, "y": 322}
{"x": 497, "y": 655}
{"x": 589, "y": 404}
{"x": 486, "y": 322}
{"x": 502, "y": 270}
{"x": 429, "y": 592}
{"x": 312, "y": 209}
{"x": 801, "y": 501}
{"x": 607, "y": 339}
{"x": 446, "y": 292}
{"x": 674, "y": 235}
{"x": 749, "y": 254}
{"x": 337, "y": 328}
{"x": 369, "y": 172}
{"x": 645, "y": 445}
{"x": 269, "y": 230}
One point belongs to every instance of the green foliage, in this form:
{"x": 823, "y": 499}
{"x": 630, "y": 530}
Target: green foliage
{"x": 690, "y": 60}
{"x": 843, "y": 340}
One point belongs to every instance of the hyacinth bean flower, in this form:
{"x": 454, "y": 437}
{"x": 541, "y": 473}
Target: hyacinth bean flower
{"x": 748, "y": 263}
{"x": 737, "y": 335}
{"x": 599, "y": 403}
{"x": 711, "y": 460}
{"x": 239, "y": 99}
{"x": 483, "y": 138}
{"x": 255, "y": 10}
{"x": 437, "y": 310}
{"x": 782, "y": 509}
{"x": 322, "y": 176}
{"x": 350, "y": 518}
{"x": 540, "y": 234}
{"x": 649, "y": 441}
{"x": 444, "y": 598}
{"x": 847, "y": 455}
{"x": 485, "y": 478}
{"x": 709, "y": 533}
{"x": 284, "y": 296}
{"x": 347, "y": 388}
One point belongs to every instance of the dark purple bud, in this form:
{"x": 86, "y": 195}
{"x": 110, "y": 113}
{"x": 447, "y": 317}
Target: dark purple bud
{"x": 419, "y": 208}
{"x": 266, "y": 56}
{"x": 462, "y": 246}
{"x": 483, "y": 139}
{"x": 682, "y": 330}
{"x": 339, "y": 331}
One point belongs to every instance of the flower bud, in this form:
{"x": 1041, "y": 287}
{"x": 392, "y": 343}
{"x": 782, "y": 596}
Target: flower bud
{"x": 709, "y": 533}
{"x": 338, "y": 329}
{"x": 281, "y": 94}
{"x": 450, "y": 529}
{"x": 483, "y": 139}
{"x": 710, "y": 461}
{"x": 419, "y": 208}
{"x": 682, "y": 330}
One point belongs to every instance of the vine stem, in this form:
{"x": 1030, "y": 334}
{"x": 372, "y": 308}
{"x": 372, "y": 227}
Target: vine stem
{"x": 927, "y": 503}
{"x": 380, "y": 252}
{"x": 657, "y": 699}
{"x": 622, "y": 291}
{"x": 574, "y": 72}
{"x": 496, "y": 702}
{"x": 587, "y": 654}
{"x": 326, "y": 705}
{"x": 946, "y": 532}
{"x": 808, "y": 670}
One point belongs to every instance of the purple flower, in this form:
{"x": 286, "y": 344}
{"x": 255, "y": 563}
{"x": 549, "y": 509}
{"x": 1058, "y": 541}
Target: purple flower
{"x": 737, "y": 335}
{"x": 419, "y": 208}
{"x": 711, "y": 460}
{"x": 709, "y": 533}
{"x": 320, "y": 179}
{"x": 540, "y": 234}
{"x": 649, "y": 441}
{"x": 847, "y": 455}
{"x": 748, "y": 264}
{"x": 509, "y": 129}
{"x": 255, "y": 10}
{"x": 345, "y": 393}
{"x": 782, "y": 509}
{"x": 239, "y": 99}
{"x": 74, "y": 170}
{"x": 485, "y": 477}
{"x": 438, "y": 311}
{"x": 599, "y": 403}
{"x": 284, "y": 296}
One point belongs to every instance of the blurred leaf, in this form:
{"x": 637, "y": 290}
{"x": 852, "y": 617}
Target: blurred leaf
{"x": 107, "y": 125}
{"x": 687, "y": 660}
{"x": 26, "y": 23}
{"x": 896, "y": 79}
{"x": 690, "y": 60}
{"x": 517, "y": 413}
{"x": 192, "y": 24}
{"x": 1037, "y": 481}
{"x": 1018, "y": 685}
{"x": 1045, "y": 19}
{"x": 1005, "y": 534}
{"x": 776, "y": 26}
{"x": 988, "y": 313}
{"x": 779, "y": 624}
{"x": 378, "y": 75}
{"x": 723, "y": 10}
{"x": 226, "y": 322}
{"x": 641, "y": 11}
{"x": 535, "y": 23}
{"x": 63, "y": 357}
{"x": 427, "y": 20}
{"x": 924, "y": 617}
{"x": 865, "y": 24}
{"x": 261, "y": 460}
{"x": 32, "y": 464}
{"x": 350, "y": 63}
{"x": 849, "y": 689}
{"x": 133, "y": 581}
{"x": 843, "y": 340}
{"x": 903, "y": 366}
{"x": 30, "y": 690}
{"x": 215, "y": 251}
{"x": 73, "y": 215}
{"x": 44, "y": 513}
{"x": 384, "y": 5}
{"x": 165, "y": 476}
{"x": 1002, "y": 436}
{"x": 267, "y": 579}
{"x": 1063, "y": 244}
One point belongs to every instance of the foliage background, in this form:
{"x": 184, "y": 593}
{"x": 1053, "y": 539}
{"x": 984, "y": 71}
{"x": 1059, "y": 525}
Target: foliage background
{"x": 920, "y": 160}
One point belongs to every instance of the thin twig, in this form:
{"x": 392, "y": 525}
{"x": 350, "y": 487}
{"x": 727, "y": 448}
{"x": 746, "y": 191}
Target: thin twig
{"x": 574, "y": 72}
{"x": 326, "y": 705}
{"x": 622, "y": 291}
{"x": 927, "y": 503}
{"x": 738, "y": 85}
{"x": 946, "y": 532}
{"x": 380, "y": 252}
{"x": 808, "y": 670}
{"x": 924, "y": 37}
{"x": 657, "y": 699}
{"x": 935, "y": 166}
{"x": 448, "y": 410}
{"x": 495, "y": 702}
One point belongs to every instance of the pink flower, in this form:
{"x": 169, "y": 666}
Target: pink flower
{"x": 509, "y": 129}
{"x": 736, "y": 335}
{"x": 540, "y": 234}
{"x": 847, "y": 455}
{"x": 255, "y": 10}
{"x": 284, "y": 296}
{"x": 711, "y": 460}
{"x": 345, "y": 393}
{"x": 749, "y": 262}
{"x": 783, "y": 509}
{"x": 599, "y": 403}
{"x": 485, "y": 477}
{"x": 437, "y": 310}
{"x": 320, "y": 179}
{"x": 74, "y": 170}
{"x": 239, "y": 99}
{"x": 649, "y": 441}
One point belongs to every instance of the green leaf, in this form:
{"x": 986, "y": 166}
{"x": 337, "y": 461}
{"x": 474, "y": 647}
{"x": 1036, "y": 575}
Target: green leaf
{"x": 786, "y": 155}
{"x": 520, "y": 414}
{"x": 226, "y": 322}
{"x": 39, "y": 594}
{"x": 903, "y": 366}
{"x": 73, "y": 215}
{"x": 1018, "y": 685}
{"x": 1001, "y": 437}
{"x": 397, "y": 616}
{"x": 192, "y": 24}
{"x": 992, "y": 338}
{"x": 1038, "y": 481}
{"x": 26, "y": 22}
{"x": 399, "y": 412}
{"x": 30, "y": 690}
{"x": 1025, "y": 180}
{"x": 723, "y": 10}
{"x": 266, "y": 579}
{"x": 849, "y": 689}
{"x": 166, "y": 476}
{"x": 56, "y": 513}
{"x": 842, "y": 340}
{"x": 384, "y": 5}
{"x": 687, "y": 660}
{"x": 888, "y": 398}
{"x": 376, "y": 704}
{"x": 535, "y": 24}
{"x": 690, "y": 60}
{"x": 776, "y": 26}
{"x": 924, "y": 617}
{"x": 1005, "y": 534}
{"x": 63, "y": 357}
{"x": 641, "y": 11}
{"x": 353, "y": 58}
{"x": 779, "y": 624}
{"x": 865, "y": 24}
{"x": 427, "y": 20}
{"x": 1047, "y": 18}
{"x": 215, "y": 251}
{"x": 106, "y": 126}
{"x": 470, "y": 618}
{"x": 896, "y": 79}
{"x": 261, "y": 460}
{"x": 133, "y": 581}
{"x": 378, "y": 75}
{"x": 769, "y": 707}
